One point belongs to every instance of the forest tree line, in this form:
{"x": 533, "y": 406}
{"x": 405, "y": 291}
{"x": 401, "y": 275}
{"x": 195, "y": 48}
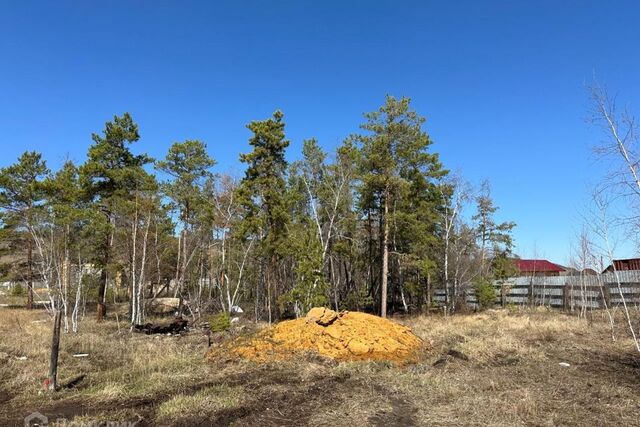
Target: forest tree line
{"x": 375, "y": 225}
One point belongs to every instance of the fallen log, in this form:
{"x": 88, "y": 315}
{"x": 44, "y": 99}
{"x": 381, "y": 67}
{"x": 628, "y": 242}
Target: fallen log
{"x": 175, "y": 327}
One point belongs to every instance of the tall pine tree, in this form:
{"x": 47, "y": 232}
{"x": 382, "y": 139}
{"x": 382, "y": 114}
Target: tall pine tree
{"x": 110, "y": 175}
{"x": 263, "y": 197}
{"x": 189, "y": 166}
{"x": 397, "y": 189}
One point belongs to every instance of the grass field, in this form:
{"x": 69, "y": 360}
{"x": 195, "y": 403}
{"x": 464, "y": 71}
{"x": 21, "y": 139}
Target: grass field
{"x": 504, "y": 370}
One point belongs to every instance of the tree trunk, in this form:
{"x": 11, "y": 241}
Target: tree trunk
{"x": 66, "y": 280}
{"x": 450, "y": 301}
{"x": 55, "y": 349}
{"x": 370, "y": 264}
{"x": 429, "y": 293}
{"x": 30, "y": 277}
{"x": 102, "y": 307}
{"x": 141, "y": 276}
{"x": 385, "y": 256}
{"x": 133, "y": 294}
{"x": 270, "y": 274}
{"x": 102, "y": 290}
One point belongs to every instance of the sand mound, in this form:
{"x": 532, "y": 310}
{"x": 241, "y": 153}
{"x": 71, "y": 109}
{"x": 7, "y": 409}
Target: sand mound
{"x": 341, "y": 336}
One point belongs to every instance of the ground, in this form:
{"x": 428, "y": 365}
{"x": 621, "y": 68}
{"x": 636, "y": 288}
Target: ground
{"x": 500, "y": 367}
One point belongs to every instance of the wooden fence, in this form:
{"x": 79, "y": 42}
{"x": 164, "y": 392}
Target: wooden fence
{"x": 566, "y": 292}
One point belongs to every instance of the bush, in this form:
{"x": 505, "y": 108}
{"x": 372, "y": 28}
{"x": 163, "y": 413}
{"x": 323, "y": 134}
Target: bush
{"x": 485, "y": 293}
{"x": 17, "y": 290}
{"x": 220, "y": 322}
{"x": 512, "y": 308}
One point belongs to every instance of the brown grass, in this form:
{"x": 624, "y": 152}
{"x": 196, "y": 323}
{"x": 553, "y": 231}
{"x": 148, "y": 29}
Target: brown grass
{"x": 511, "y": 377}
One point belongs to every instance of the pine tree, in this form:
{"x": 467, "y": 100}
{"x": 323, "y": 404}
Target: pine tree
{"x": 110, "y": 175}
{"x": 188, "y": 164}
{"x": 490, "y": 235}
{"x": 397, "y": 173}
{"x": 59, "y": 240}
{"x": 21, "y": 194}
{"x": 263, "y": 195}
{"x": 65, "y": 218}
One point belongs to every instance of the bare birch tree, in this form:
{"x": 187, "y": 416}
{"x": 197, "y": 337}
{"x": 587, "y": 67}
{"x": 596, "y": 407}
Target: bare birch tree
{"x": 455, "y": 193}
{"x": 622, "y": 182}
{"x": 602, "y": 228}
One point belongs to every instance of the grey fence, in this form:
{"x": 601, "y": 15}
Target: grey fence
{"x": 567, "y": 292}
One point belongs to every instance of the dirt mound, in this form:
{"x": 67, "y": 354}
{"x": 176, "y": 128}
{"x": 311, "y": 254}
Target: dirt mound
{"x": 341, "y": 336}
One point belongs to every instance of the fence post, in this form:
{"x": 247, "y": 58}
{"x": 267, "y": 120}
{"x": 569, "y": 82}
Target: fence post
{"x": 503, "y": 299}
{"x": 530, "y": 293}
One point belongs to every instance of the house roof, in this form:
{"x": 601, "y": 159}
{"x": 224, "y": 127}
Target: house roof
{"x": 537, "y": 265}
{"x": 625, "y": 264}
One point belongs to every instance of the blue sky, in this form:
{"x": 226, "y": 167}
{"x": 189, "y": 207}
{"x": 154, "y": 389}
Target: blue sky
{"x": 500, "y": 82}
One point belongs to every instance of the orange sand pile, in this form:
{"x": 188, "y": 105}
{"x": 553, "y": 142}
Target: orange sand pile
{"x": 341, "y": 336}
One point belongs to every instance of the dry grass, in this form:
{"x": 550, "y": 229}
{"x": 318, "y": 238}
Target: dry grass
{"x": 512, "y": 377}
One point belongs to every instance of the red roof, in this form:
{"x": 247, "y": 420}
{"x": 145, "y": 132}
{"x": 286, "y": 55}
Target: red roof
{"x": 537, "y": 265}
{"x": 625, "y": 264}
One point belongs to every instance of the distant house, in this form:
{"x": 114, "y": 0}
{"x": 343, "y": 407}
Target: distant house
{"x": 623, "y": 265}
{"x": 538, "y": 267}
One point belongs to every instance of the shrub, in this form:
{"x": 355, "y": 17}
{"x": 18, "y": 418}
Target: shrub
{"x": 220, "y": 322}
{"x": 485, "y": 293}
{"x": 512, "y": 308}
{"x": 17, "y": 290}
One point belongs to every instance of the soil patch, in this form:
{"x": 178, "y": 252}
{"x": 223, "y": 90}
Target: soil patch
{"x": 340, "y": 336}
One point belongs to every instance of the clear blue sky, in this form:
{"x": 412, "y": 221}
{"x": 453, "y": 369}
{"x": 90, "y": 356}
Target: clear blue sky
{"x": 501, "y": 83}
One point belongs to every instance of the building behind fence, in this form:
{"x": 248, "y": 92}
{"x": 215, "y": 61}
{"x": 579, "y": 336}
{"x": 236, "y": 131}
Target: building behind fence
{"x": 566, "y": 292}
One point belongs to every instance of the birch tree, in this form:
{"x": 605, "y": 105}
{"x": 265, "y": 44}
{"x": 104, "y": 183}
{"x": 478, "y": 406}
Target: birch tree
{"x": 455, "y": 194}
{"x": 146, "y": 213}
{"x": 602, "y": 226}
{"x": 21, "y": 194}
{"x": 233, "y": 254}
{"x": 319, "y": 191}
